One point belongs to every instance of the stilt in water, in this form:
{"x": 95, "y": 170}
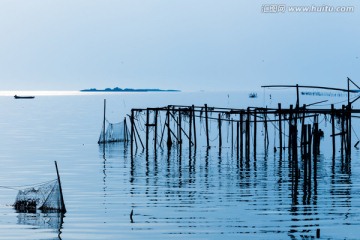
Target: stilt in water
{"x": 255, "y": 132}
{"x": 168, "y": 142}
{"x": 237, "y": 140}
{"x": 241, "y": 134}
{"x": 147, "y": 131}
{"x": 155, "y": 130}
{"x": 207, "y": 127}
{"x": 190, "y": 130}
{"x": 131, "y": 216}
{"x": 219, "y": 124}
{"x": 333, "y": 129}
{"x": 63, "y": 208}
{"x": 247, "y": 141}
{"x": 280, "y": 127}
{"x": 132, "y": 132}
{"x": 194, "y": 120}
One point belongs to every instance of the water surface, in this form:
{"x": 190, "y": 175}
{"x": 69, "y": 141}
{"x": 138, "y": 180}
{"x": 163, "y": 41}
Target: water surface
{"x": 176, "y": 194}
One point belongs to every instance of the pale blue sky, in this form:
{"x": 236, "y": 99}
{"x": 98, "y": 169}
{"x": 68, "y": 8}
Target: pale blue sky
{"x": 174, "y": 44}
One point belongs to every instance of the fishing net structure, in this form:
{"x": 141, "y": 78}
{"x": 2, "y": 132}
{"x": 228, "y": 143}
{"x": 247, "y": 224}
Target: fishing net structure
{"x": 45, "y": 196}
{"x": 114, "y": 132}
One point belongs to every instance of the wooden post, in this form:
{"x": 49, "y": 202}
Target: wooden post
{"x": 125, "y": 133}
{"x": 255, "y": 131}
{"x": 309, "y": 150}
{"x": 179, "y": 133}
{"x": 315, "y": 136}
{"x": 194, "y": 120}
{"x": 138, "y": 135}
{"x": 280, "y": 128}
{"x": 305, "y": 154}
{"x": 303, "y": 141}
{"x": 333, "y": 128}
{"x": 207, "y": 127}
{"x": 132, "y": 132}
{"x": 297, "y": 97}
{"x": 63, "y": 208}
{"x": 147, "y": 131}
{"x": 342, "y": 130}
{"x": 219, "y": 123}
{"x": 290, "y": 130}
{"x": 294, "y": 142}
{"x": 155, "y": 131}
{"x": 266, "y": 137}
{"x": 237, "y": 139}
{"x": 241, "y": 133}
{"x": 303, "y": 124}
{"x": 190, "y": 128}
{"x": 179, "y": 128}
{"x": 104, "y": 122}
{"x": 169, "y": 142}
{"x": 248, "y": 134}
{"x": 349, "y": 129}
{"x": 232, "y": 135}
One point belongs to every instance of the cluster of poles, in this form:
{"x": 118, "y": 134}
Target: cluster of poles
{"x": 181, "y": 123}
{"x": 297, "y": 127}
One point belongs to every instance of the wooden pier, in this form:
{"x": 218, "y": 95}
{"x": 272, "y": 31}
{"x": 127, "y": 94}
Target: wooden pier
{"x": 179, "y": 124}
{"x": 296, "y": 127}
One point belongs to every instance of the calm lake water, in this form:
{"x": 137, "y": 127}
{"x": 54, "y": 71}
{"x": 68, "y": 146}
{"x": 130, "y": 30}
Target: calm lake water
{"x": 207, "y": 195}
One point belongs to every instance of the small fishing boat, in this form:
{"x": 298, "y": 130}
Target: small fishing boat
{"x": 23, "y": 97}
{"x": 253, "y": 95}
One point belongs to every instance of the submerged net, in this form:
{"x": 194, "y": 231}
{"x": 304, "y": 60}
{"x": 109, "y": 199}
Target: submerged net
{"x": 45, "y": 196}
{"x": 114, "y": 132}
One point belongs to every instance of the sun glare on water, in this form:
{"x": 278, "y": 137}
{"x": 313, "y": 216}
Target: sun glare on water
{"x": 40, "y": 93}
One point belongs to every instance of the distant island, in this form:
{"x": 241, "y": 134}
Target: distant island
{"x": 117, "y": 89}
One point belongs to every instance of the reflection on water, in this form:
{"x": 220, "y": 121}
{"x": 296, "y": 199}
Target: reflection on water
{"x": 177, "y": 194}
{"x": 208, "y": 194}
{"x": 51, "y": 220}
{"x": 42, "y": 220}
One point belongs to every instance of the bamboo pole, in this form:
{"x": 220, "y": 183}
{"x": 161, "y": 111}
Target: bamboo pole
{"x": 63, "y": 208}
{"x": 132, "y": 132}
{"x": 255, "y": 131}
{"x": 155, "y": 130}
{"x": 333, "y": 128}
{"x": 207, "y": 127}
{"x": 104, "y": 122}
{"x": 237, "y": 139}
{"x": 190, "y": 128}
{"x": 241, "y": 134}
{"x": 247, "y": 141}
{"x": 280, "y": 128}
{"x": 147, "y": 130}
{"x": 290, "y": 130}
{"x": 194, "y": 120}
{"x": 219, "y": 123}
{"x": 169, "y": 142}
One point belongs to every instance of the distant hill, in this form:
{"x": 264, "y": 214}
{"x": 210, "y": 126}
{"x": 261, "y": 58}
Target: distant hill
{"x": 117, "y": 89}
